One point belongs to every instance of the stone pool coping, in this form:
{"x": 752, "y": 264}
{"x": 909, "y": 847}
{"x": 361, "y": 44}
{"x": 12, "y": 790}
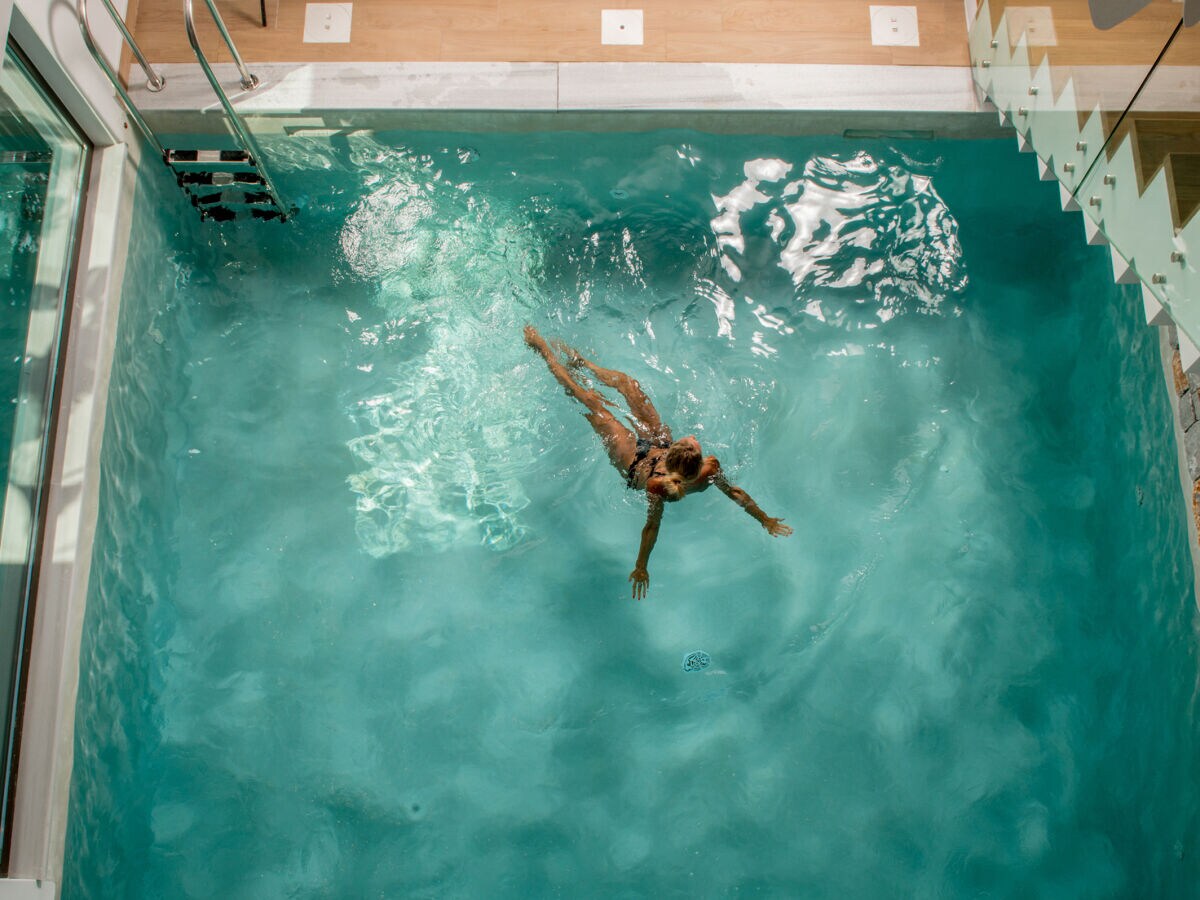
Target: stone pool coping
{"x": 558, "y": 87}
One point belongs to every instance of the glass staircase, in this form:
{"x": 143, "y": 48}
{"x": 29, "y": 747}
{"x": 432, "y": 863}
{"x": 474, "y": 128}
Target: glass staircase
{"x": 1114, "y": 117}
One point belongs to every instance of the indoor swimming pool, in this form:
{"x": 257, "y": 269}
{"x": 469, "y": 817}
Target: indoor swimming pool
{"x": 359, "y": 622}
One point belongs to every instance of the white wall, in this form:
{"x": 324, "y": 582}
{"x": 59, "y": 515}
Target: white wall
{"x": 972, "y": 9}
{"x": 27, "y": 889}
{"x": 48, "y": 32}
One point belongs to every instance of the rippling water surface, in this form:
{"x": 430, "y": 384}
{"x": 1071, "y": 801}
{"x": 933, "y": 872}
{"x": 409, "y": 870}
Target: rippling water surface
{"x": 359, "y": 619}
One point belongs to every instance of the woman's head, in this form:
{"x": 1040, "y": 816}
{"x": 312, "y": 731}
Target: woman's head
{"x": 683, "y": 458}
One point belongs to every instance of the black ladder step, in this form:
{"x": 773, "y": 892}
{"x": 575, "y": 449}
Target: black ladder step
{"x": 249, "y": 198}
{"x": 225, "y": 214}
{"x": 208, "y": 157}
{"x": 218, "y": 213}
{"x": 218, "y": 185}
{"x": 218, "y": 179}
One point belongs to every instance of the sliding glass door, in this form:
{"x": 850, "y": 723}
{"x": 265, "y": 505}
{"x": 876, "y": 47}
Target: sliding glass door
{"x": 43, "y": 159}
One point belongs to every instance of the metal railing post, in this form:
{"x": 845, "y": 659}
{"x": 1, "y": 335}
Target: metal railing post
{"x": 130, "y": 108}
{"x": 249, "y": 82}
{"x": 235, "y": 120}
{"x": 154, "y": 81}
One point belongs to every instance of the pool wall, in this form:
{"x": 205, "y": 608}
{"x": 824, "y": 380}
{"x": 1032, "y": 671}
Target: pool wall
{"x": 123, "y": 598}
{"x": 1184, "y": 390}
{"x": 563, "y": 87}
{"x": 49, "y": 35}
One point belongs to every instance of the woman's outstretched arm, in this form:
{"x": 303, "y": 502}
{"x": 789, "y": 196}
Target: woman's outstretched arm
{"x": 639, "y": 576}
{"x": 775, "y": 527}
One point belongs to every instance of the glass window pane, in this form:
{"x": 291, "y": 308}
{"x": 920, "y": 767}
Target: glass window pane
{"x": 43, "y": 159}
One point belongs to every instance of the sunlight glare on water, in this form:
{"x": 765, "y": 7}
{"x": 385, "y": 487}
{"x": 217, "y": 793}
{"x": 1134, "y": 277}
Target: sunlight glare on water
{"x": 443, "y": 447}
{"x": 426, "y": 478}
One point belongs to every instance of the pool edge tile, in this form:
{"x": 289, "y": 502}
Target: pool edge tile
{"x": 293, "y": 87}
{"x": 763, "y": 87}
{"x": 289, "y": 87}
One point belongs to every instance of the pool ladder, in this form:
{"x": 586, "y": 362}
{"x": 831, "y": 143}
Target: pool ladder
{"x": 222, "y": 184}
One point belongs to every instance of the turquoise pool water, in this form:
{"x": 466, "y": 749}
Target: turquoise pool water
{"x": 359, "y": 621}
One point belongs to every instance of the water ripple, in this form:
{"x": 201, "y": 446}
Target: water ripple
{"x": 858, "y": 236}
{"x": 456, "y": 267}
{"x": 443, "y": 432}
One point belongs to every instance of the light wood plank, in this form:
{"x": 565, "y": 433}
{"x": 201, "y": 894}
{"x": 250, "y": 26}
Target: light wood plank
{"x": 470, "y": 16}
{"x": 534, "y": 45}
{"x": 777, "y": 47}
{"x": 560, "y": 31}
{"x": 676, "y": 30}
{"x": 800, "y": 16}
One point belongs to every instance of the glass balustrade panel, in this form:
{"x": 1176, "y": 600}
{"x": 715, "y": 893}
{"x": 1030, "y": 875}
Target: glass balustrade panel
{"x": 1144, "y": 191}
{"x": 1063, "y": 82}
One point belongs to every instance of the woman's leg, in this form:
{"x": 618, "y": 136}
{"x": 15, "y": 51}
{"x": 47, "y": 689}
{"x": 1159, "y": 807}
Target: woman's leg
{"x": 645, "y": 417}
{"x": 618, "y": 440}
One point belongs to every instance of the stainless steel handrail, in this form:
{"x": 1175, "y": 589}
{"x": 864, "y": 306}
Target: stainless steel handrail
{"x": 249, "y": 82}
{"x": 155, "y": 79}
{"x": 249, "y": 144}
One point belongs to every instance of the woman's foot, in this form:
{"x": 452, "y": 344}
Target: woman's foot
{"x": 570, "y": 354}
{"x": 536, "y": 341}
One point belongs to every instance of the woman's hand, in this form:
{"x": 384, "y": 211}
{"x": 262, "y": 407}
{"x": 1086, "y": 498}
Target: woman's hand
{"x": 776, "y": 528}
{"x": 641, "y": 582}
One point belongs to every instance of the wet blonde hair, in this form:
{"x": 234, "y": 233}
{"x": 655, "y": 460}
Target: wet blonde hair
{"x": 683, "y": 459}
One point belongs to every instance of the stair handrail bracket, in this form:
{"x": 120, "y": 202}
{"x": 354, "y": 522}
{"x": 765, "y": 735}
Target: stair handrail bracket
{"x": 249, "y": 82}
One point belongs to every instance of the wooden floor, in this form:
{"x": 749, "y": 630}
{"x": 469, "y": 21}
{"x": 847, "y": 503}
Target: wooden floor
{"x": 1135, "y": 42}
{"x": 775, "y": 31}
{"x": 731, "y": 31}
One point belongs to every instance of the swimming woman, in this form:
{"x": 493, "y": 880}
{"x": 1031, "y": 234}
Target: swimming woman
{"x": 648, "y": 457}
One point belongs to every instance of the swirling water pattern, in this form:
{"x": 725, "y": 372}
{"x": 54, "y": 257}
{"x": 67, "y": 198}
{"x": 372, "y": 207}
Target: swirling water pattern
{"x": 426, "y": 478}
{"x": 359, "y": 622}
{"x": 878, "y": 237}
{"x": 854, "y": 223}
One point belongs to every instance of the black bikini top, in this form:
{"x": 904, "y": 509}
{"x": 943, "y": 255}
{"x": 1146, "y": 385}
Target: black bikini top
{"x": 643, "y": 449}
